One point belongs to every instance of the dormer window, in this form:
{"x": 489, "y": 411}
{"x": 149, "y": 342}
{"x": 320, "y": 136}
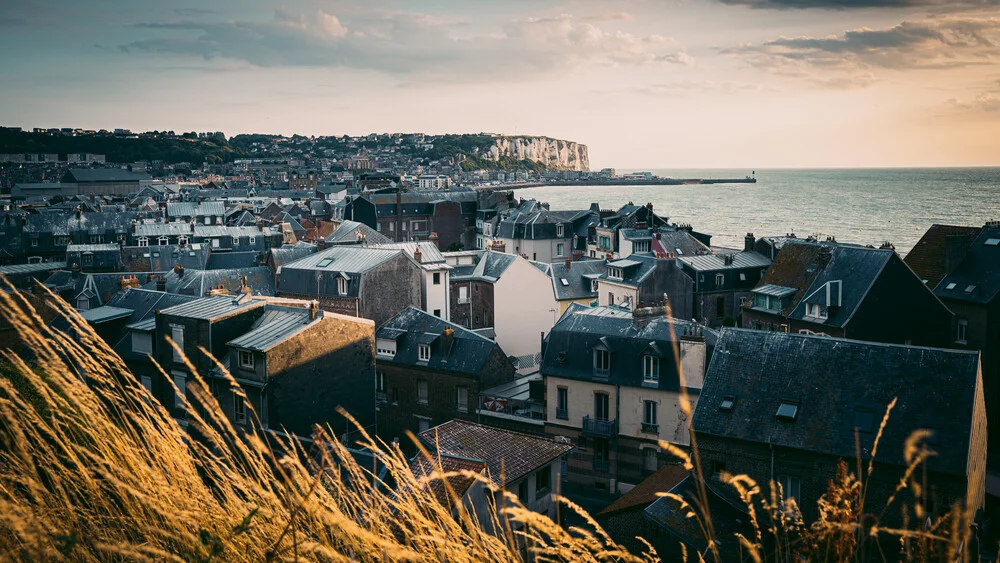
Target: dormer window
{"x": 143, "y": 241}
{"x": 650, "y": 369}
{"x": 815, "y": 310}
{"x": 593, "y": 286}
{"x": 424, "y": 352}
{"x": 720, "y": 279}
{"x": 246, "y": 359}
{"x": 615, "y": 273}
{"x": 788, "y": 411}
{"x": 602, "y": 362}
{"x": 560, "y": 231}
{"x": 341, "y": 286}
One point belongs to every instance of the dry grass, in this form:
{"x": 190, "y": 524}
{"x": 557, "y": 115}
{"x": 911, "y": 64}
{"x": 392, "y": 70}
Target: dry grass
{"x": 93, "y": 469}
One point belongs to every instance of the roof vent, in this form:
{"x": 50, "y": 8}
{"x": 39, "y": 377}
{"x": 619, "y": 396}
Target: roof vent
{"x": 727, "y": 404}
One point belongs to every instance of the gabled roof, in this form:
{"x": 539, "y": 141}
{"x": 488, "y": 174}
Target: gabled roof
{"x": 164, "y": 258}
{"x": 487, "y": 265}
{"x": 347, "y": 233}
{"x": 277, "y": 324}
{"x": 509, "y": 455}
{"x": 105, "y": 313}
{"x": 836, "y": 385}
{"x": 211, "y": 308}
{"x": 977, "y": 277}
{"x": 928, "y": 258}
{"x": 233, "y": 260}
{"x": 413, "y": 327}
{"x": 424, "y": 467}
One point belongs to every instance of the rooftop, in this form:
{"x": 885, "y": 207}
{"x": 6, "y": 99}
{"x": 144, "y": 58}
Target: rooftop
{"x": 211, "y": 308}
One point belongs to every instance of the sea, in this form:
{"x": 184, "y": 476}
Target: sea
{"x": 864, "y": 206}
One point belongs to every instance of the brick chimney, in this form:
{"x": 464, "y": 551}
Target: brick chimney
{"x": 245, "y": 286}
{"x": 447, "y": 340}
{"x": 128, "y": 282}
{"x": 179, "y": 270}
{"x": 313, "y": 309}
{"x": 418, "y": 256}
{"x": 569, "y": 263}
{"x": 748, "y": 242}
{"x": 642, "y": 315}
{"x": 434, "y": 238}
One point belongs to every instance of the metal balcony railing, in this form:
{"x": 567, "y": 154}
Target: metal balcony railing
{"x": 603, "y": 428}
{"x": 650, "y": 428}
{"x": 602, "y": 373}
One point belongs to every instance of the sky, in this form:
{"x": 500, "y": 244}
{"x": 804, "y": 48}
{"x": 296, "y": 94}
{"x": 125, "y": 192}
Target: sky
{"x": 643, "y": 83}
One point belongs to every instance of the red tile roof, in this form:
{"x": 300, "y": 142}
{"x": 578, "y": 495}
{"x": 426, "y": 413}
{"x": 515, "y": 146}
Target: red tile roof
{"x": 510, "y": 455}
{"x": 422, "y": 468}
{"x": 644, "y": 494}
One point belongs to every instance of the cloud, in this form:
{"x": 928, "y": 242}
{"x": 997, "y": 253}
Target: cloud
{"x": 985, "y": 102}
{"x": 946, "y": 5}
{"x": 406, "y": 43}
{"x": 850, "y": 59}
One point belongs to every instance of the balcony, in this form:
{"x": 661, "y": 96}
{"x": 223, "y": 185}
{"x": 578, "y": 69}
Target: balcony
{"x": 381, "y": 398}
{"x": 650, "y": 428}
{"x": 602, "y": 373}
{"x": 602, "y": 428}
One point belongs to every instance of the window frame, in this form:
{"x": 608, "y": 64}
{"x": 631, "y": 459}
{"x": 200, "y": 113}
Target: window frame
{"x": 650, "y": 369}
{"x": 458, "y": 398}
{"x": 245, "y": 359}
{"x": 239, "y": 408}
{"x": 423, "y": 352}
{"x": 962, "y": 331}
{"x": 424, "y": 397}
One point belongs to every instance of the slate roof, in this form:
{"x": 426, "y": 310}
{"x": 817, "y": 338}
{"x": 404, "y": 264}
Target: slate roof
{"x": 233, "y": 260}
{"x": 84, "y": 175}
{"x": 927, "y": 257}
{"x": 569, "y": 348}
{"x": 487, "y": 266}
{"x": 105, "y": 313}
{"x": 31, "y": 268}
{"x": 277, "y": 324}
{"x": 347, "y": 233}
{"x": 411, "y": 327}
{"x": 291, "y": 252}
{"x": 977, "y": 277}
{"x": 144, "y": 302}
{"x": 839, "y": 384}
{"x": 634, "y": 270}
{"x": 538, "y": 224}
{"x": 211, "y": 308}
{"x": 727, "y": 519}
{"x": 429, "y": 252}
{"x": 306, "y": 276}
{"x": 162, "y": 229}
{"x": 509, "y": 454}
{"x": 578, "y": 285}
{"x": 164, "y": 258}
{"x": 808, "y": 266}
{"x": 714, "y": 262}
{"x": 207, "y": 231}
{"x": 194, "y": 209}
{"x": 66, "y": 223}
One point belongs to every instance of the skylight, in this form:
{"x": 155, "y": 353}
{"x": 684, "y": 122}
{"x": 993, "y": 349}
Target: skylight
{"x": 563, "y": 281}
{"x": 679, "y": 252}
{"x": 727, "y": 404}
{"x": 970, "y": 288}
{"x": 788, "y": 411}
{"x": 951, "y": 285}
{"x": 324, "y": 262}
{"x": 993, "y": 242}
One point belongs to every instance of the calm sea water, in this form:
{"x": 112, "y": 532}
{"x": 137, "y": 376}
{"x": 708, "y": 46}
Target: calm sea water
{"x": 867, "y": 206}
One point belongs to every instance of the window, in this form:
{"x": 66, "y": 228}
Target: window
{"x": 593, "y": 286}
{"x": 88, "y": 258}
{"x": 143, "y": 241}
{"x": 650, "y": 459}
{"x": 615, "y": 273}
{"x": 236, "y": 241}
{"x": 252, "y": 240}
{"x": 611, "y": 298}
{"x": 743, "y": 277}
{"x": 651, "y": 369}
{"x": 96, "y": 239}
{"x": 437, "y": 278}
{"x": 720, "y": 306}
{"x": 380, "y": 381}
{"x": 182, "y": 240}
{"x": 649, "y": 417}
{"x": 640, "y": 246}
{"x": 402, "y": 226}
{"x": 790, "y": 487}
{"x": 177, "y": 335}
{"x": 962, "y": 330}
{"x": 341, "y": 286}
{"x": 392, "y": 227}
{"x": 522, "y": 492}
{"x": 815, "y": 310}
{"x": 423, "y": 352}
{"x": 62, "y": 241}
{"x": 951, "y": 286}
{"x": 720, "y": 280}
{"x": 601, "y": 450}
{"x": 559, "y": 249}
{"x": 246, "y": 359}
{"x": 560, "y": 230}
{"x": 787, "y": 410}
{"x": 969, "y": 289}
{"x": 437, "y": 313}
{"x": 215, "y": 243}
{"x": 423, "y": 424}
{"x": 767, "y": 302}
{"x": 602, "y": 362}
{"x": 147, "y": 382}
{"x": 463, "y": 294}
{"x": 992, "y": 242}
{"x": 324, "y": 262}
{"x": 727, "y": 404}
{"x": 208, "y": 220}
{"x": 142, "y": 343}
{"x": 462, "y": 399}
{"x": 34, "y": 242}
{"x": 421, "y": 391}
{"x": 562, "y": 403}
{"x": 163, "y": 241}
{"x": 239, "y": 408}
{"x": 543, "y": 481}
{"x": 601, "y": 406}
{"x": 180, "y": 381}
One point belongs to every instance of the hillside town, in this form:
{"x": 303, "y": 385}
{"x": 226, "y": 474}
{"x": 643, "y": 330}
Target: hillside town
{"x": 551, "y": 350}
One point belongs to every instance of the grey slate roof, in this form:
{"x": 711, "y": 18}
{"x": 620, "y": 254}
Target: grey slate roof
{"x": 162, "y": 229}
{"x": 834, "y": 381}
{"x": 980, "y": 269}
{"x": 201, "y": 282}
{"x": 144, "y": 302}
{"x": 488, "y": 266}
{"x": 277, "y": 324}
{"x": 30, "y": 268}
{"x": 347, "y": 233}
{"x": 105, "y": 313}
{"x": 194, "y": 209}
{"x": 713, "y": 262}
{"x": 210, "y": 308}
{"x": 164, "y": 258}
{"x": 290, "y": 253}
{"x": 233, "y": 260}
{"x": 66, "y": 223}
{"x": 429, "y": 253}
{"x": 307, "y": 276}
{"x": 577, "y": 285}
{"x": 469, "y": 351}
{"x": 569, "y": 349}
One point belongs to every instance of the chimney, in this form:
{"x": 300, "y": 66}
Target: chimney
{"x": 245, "y": 286}
{"x": 447, "y": 339}
{"x": 192, "y": 227}
{"x": 434, "y": 238}
{"x": 748, "y": 242}
{"x": 417, "y": 255}
{"x": 727, "y": 259}
{"x": 313, "y": 309}
{"x": 649, "y": 211}
{"x": 642, "y": 315}
{"x": 179, "y": 270}
{"x": 161, "y": 283}
{"x": 127, "y": 282}
{"x": 569, "y": 263}
{"x": 75, "y": 268}
{"x": 954, "y": 251}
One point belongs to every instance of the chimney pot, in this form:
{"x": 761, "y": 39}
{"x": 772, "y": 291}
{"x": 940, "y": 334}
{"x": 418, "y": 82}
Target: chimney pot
{"x": 569, "y": 263}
